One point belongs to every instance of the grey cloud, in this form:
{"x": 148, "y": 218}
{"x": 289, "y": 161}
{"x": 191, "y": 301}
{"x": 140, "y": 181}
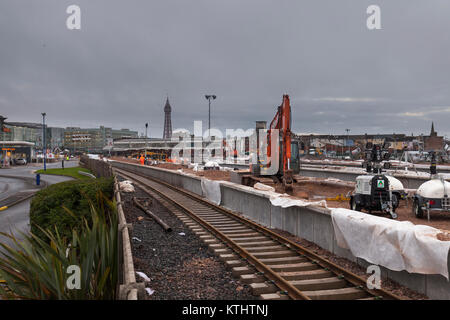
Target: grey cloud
{"x": 117, "y": 70}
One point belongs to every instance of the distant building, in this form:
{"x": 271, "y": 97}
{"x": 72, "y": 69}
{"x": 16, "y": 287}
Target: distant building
{"x": 32, "y": 132}
{"x": 344, "y": 144}
{"x": 433, "y": 142}
{"x": 72, "y": 138}
{"x": 93, "y": 140}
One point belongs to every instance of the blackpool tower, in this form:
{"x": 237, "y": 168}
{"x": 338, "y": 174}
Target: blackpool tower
{"x": 167, "y": 134}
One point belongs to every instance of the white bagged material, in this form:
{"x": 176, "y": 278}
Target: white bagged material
{"x": 396, "y": 245}
{"x": 143, "y": 276}
{"x": 211, "y": 190}
{"x": 284, "y": 201}
{"x": 212, "y": 164}
{"x": 149, "y": 291}
{"x": 263, "y": 187}
{"x": 126, "y": 186}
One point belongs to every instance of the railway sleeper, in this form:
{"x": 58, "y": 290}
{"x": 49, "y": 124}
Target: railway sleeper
{"x": 252, "y": 278}
{"x": 222, "y": 251}
{"x": 219, "y": 221}
{"x": 304, "y": 266}
{"x": 228, "y": 256}
{"x": 351, "y": 293}
{"x": 211, "y": 215}
{"x": 319, "y": 284}
{"x": 265, "y": 249}
{"x": 225, "y": 225}
{"x": 251, "y": 239}
{"x": 241, "y": 227}
{"x": 283, "y": 260}
{"x": 257, "y": 244}
{"x": 275, "y": 254}
{"x": 211, "y": 241}
{"x": 274, "y": 296}
{"x": 230, "y": 264}
{"x": 236, "y": 231}
{"x": 259, "y": 288}
{"x": 244, "y": 235}
{"x": 305, "y": 275}
{"x": 216, "y": 246}
{"x": 244, "y": 270}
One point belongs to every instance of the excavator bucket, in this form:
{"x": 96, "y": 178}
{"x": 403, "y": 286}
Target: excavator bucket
{"x": 288, "y": 180}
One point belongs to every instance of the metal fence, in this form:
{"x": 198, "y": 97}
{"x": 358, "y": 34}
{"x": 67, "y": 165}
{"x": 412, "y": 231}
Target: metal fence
{"x": 101, "y": 169}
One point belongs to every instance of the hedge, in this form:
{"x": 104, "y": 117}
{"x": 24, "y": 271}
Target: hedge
{"x": 47, "y": 208}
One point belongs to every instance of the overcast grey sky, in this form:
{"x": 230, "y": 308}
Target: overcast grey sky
{"x": 117, "y": 70}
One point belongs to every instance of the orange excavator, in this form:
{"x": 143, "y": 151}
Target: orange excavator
{"x": 282, "y": 122}
{"x": 282, "y": 159}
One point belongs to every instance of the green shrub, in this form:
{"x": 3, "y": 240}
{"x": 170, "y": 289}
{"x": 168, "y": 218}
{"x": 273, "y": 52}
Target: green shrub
{"x": 51, "y": 207}
{"x": 38, "y": 268}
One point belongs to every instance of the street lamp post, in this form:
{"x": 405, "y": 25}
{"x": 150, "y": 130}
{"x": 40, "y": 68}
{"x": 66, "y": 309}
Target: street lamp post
{"x": 209, "y": 97}
{"x": 146, "y": 127}
{"x": 348, "y": 130}
{"x": 395, "y": 146}
{"x": 44, "y": 151}
{"x": 2, "y": 122}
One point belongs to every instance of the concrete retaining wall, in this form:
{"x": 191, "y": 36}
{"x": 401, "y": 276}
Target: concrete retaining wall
{"x": 311, "y": 223}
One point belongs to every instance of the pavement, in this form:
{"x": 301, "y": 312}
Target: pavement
{"x": 18, "y": 179}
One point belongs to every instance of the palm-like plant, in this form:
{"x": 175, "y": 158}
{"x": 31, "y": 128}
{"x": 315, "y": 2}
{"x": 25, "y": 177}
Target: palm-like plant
{"x": 38, "y": 268}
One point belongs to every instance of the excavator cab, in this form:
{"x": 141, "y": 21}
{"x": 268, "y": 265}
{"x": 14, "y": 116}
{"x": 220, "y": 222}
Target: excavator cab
{"x": 295, "y": 159}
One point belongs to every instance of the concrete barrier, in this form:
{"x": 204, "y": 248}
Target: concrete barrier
{"x": 311, "y": 223}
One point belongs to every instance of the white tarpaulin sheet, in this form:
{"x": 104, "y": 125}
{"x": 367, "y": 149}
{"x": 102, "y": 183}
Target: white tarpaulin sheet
{"x": 263, "y": 187}
{"x": 284, "y": 200}
{"x": 280, "y": 200}
{"x": 211, "y": 190}
{"x": 396, "y": 245}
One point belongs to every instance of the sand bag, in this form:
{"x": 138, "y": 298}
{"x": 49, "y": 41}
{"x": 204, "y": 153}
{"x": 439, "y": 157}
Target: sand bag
{"x": 126, "y": 186}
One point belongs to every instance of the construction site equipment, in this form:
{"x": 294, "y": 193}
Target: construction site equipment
{"x": 433, "y": 195}
{"x": 280, "y": 164}
{"x": 373, "y": 192}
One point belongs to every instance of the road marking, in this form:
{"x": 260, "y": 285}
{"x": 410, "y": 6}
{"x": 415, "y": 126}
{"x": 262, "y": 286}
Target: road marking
{"x": 3, "y": 208}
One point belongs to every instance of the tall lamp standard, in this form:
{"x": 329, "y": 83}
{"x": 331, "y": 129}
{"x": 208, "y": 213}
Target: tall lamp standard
{"x": 209, "y": 97}
{"x": 348, "y": 130}
{"x": 44, "y": 145}
{"x": 2, "y": 123}
{"x": 146, "y": 127}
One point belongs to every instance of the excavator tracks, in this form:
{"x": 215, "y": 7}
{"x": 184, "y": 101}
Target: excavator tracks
{"x": 274, "y": 267}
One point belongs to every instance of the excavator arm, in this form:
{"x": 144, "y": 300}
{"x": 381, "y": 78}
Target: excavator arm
{"x": 282, "y": 122}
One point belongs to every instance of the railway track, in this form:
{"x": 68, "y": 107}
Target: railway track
{"x": 273, "y": 266}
